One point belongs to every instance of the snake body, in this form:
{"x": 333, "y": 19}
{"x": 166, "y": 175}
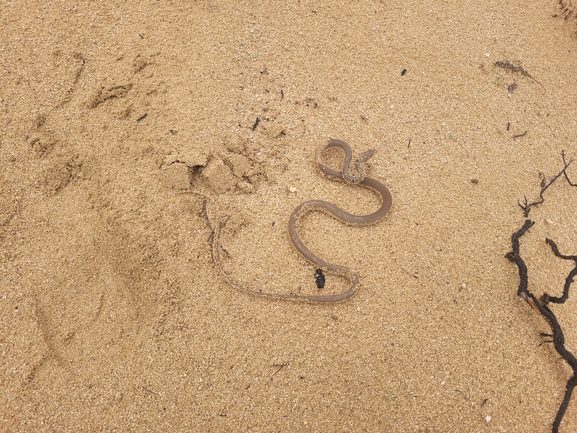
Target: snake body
{"x": 323, "y": 206}
{"x": 339, "y": 214}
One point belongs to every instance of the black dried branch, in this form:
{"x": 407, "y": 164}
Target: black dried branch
{"x": 526, "y": 206}
{"x": 559, "y": 343}
{"x": 571, "y": 383}
{"x": 514, "y": 256}
{"x": 545, "y": 311}
{"x": 561, "y": 300}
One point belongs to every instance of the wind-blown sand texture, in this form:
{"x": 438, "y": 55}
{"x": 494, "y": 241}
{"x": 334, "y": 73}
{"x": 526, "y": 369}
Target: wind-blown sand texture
{"x": 113, "y": 316}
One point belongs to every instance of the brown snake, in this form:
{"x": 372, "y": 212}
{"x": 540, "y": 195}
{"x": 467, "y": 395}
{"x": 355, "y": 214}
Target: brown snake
{"x": 341, "y": 215}
{"x": 331, "y": 209}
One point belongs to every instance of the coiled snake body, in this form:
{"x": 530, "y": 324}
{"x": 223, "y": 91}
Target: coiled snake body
{"x": 331, "y": 209}
{"x": 341, "y": 215}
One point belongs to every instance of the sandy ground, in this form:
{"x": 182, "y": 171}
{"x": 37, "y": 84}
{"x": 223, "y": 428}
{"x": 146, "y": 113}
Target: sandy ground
{"x": 115, "y": 318}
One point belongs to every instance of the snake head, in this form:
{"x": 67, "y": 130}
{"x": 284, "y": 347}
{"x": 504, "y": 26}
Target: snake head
{"x": 365, "y": 156}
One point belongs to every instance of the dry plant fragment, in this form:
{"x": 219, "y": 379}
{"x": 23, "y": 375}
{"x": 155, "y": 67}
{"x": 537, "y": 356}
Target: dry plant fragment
{"x": 526, "y": 206}
{"x": 541, "y": 305}
{"x": 515, "y": 68}
{"x": 567, "y": 11}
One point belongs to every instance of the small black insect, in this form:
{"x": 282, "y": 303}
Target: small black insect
{"x": 320, "y": 278}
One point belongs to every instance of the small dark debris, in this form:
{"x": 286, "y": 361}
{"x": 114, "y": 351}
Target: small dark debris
{"x": 511, "y": 87}
{"x": 279, "y": 367}
{"x": 256, "y": 122}
{"x": 281, "y": 94}
{"x": 403, "y": 72}
{"x": 320, "y": 278}
{"x": 515, "y": 68}
{"x": 475, "y": 181}
{"x": 142, "y": 117}
{"x": 173, "y": 131}
{"x": 310, "y": 102}
{"x": 520, "y": 135}
{"x": 508, "y": 125}
{"x": 462, "y": 394}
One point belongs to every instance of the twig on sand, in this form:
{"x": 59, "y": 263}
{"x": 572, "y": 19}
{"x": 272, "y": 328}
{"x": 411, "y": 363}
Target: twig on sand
{"x": 541, "y": 305}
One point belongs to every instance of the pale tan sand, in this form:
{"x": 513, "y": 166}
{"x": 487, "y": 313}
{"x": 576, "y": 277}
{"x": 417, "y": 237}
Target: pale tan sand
{"x": 113, "y": 316}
